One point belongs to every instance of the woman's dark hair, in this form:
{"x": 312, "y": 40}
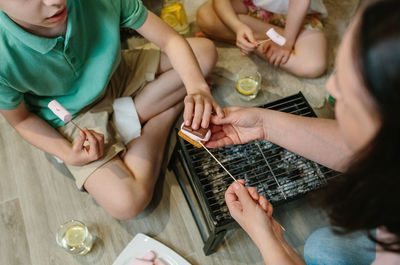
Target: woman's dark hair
{"x": 367, "y": 195}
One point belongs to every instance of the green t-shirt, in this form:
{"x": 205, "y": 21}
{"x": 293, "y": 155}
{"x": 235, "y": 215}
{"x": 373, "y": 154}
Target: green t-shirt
{"x": 74, "y": 69}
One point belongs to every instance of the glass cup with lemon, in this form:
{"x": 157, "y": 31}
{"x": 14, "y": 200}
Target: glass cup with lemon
{"x": 248, "y": 84}
{"x": 173, "y": 13}
{"x": 74, "y": 237}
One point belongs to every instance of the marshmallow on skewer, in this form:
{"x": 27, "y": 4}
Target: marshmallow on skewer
{"x": 59, "y": 111}
{"x": 276, "y": 37}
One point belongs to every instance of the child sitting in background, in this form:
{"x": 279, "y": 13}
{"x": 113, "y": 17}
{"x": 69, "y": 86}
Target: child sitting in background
{"x": 245, "y": 22}
{"x": 69, "y": 50}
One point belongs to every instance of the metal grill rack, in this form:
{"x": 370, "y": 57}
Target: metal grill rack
{"x": 278, "y": 174}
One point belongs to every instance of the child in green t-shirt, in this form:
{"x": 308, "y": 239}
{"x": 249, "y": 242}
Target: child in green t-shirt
{"x": 70, "y": 51}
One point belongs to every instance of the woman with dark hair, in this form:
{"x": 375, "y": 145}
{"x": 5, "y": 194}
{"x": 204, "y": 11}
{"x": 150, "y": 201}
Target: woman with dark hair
{"x": 363, "y": 142}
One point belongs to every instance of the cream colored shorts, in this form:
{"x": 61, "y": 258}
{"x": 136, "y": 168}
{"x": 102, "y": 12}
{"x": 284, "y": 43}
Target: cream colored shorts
{"x": 137, "y": 67}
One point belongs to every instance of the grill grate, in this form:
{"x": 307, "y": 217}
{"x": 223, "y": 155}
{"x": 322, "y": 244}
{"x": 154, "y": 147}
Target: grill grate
{"x": 277, "y": 174}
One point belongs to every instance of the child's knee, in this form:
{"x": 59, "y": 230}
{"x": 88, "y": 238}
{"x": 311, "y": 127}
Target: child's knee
{"x": 206, "y": 54}
{"x": 313, "y": 69}
{"x": 204, "y": 19}
{"x": 128, "y": 205}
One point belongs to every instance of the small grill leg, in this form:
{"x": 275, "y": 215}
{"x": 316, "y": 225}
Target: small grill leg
{"x": 213, "y": 242}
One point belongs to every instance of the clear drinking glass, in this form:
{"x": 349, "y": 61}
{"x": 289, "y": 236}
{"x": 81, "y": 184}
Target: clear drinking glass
{"x": 74, "y": 237}
{"x": 248, "y": 84}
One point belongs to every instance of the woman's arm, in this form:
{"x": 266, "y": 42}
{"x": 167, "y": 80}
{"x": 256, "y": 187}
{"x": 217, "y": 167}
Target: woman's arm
{"x": 314, "y": 138}
{"x": 254, "y": 214}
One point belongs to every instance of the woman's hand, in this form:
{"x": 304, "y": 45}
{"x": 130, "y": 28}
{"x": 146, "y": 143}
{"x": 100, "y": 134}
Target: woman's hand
{"x": 253, "y": 213}
{"x": 275, "y": 54}
{"x": 245, "y": 40}
{"x": 240, "y": 125}
{"x": 199, "y": 105}
{"x": 81, "y": 153}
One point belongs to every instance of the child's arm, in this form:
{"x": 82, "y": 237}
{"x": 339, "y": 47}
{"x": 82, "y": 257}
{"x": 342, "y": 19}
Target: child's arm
{"x": 296, "y": 13}
{"x": 199, "y": 101}
{"x": 279, "y": 55}
{"x": 244, "y": 35}
{"x": 40, "y": 134}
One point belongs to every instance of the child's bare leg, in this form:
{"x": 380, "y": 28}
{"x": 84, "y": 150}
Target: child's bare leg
{"x": 309, "y": 58}
{"x": 167, "y": 89}
{"x": 124, "y": 187}
{"x": 212, "y": 26}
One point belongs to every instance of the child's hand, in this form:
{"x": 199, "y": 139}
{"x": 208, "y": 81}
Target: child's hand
{"x": 82, "y": 154}
{"x": 245, "y": 40}
{"x": 275, "y": 54}
{"x": 199, "y": 105}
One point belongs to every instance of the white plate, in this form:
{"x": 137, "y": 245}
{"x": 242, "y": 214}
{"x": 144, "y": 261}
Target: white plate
{"x": 141, "y": 244}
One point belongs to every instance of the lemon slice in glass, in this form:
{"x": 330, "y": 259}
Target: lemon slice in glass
{"x": 170, "y": 19}
{"x": 75, "y": 235}
{"x": 247, "y": 86}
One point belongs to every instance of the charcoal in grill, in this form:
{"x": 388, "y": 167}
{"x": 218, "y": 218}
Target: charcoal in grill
{"x": 277, "y": 174}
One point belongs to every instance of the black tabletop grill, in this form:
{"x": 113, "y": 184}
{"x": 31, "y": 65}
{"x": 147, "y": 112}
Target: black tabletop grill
{"x": 278, "y": 174}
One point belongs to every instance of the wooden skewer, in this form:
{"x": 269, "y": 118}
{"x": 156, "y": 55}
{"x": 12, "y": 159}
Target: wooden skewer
{"x": 261, "y": 42}
{"x": 76, "y": 125}
{"x": 217, "y": 161}
{"x": 227, "y": 170}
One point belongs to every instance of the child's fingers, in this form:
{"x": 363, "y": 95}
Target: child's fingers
{"x": 93, "y": 145}
{"x": 100, "y": 139}
{"x": 220, "y": 112}
{"x": 206, "y": 115}
{"x": 189, "y": 107}
{"x": 79, "y": 141}
{"x": 285, "y": 59}
{"x": 198, "y": 113}
{"x": 278, "y": 60}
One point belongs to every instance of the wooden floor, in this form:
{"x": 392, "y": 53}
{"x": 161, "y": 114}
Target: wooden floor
{"x": 37, "y": 195}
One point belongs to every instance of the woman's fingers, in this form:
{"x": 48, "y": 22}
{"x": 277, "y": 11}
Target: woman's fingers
{"x": 265, "y": 205}
{"x": 253, "y": 193}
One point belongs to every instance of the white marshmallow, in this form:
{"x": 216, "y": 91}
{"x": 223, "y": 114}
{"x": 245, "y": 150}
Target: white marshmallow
{"x": 276, "y": 37}
{"x": 196, "y": 138}
{"x": 59, "y": 111}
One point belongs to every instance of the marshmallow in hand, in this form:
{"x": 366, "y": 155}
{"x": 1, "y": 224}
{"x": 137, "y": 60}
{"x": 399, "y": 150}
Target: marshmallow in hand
{"x": 60, "y": 111}
{"x": 276, "y": 37}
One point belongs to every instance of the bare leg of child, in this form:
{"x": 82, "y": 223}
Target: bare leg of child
{"x": 124, "y": 187}
{"x": 309, "y": 58}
